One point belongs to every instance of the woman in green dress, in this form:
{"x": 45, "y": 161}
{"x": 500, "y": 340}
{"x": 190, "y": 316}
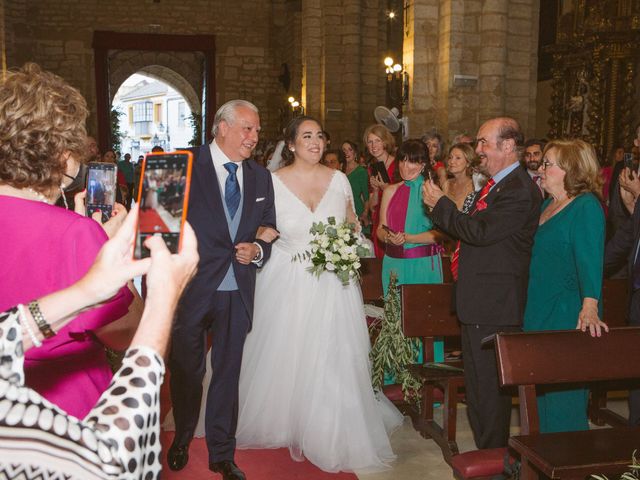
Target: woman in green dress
{"x": 412, "y": 250}
{"x": 359, "y": 180}
{"x": 565, "y": 277}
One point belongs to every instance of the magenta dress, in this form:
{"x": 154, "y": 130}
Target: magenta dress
{"x": 44, "y": 248}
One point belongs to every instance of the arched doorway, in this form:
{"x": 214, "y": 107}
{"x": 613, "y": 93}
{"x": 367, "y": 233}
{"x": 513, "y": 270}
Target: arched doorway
{"x": 151, "y": 111}
{"x": 186, "y": 62}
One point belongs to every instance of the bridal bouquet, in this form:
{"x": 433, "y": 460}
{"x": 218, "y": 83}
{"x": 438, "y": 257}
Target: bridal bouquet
{"x": 335, "y": 248}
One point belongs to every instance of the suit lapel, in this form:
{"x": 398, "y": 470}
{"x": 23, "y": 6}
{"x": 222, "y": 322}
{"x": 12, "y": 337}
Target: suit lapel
{"x": 209, "y": 185}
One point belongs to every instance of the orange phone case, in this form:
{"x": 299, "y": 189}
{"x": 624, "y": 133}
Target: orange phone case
{"x": 187, "y": 187}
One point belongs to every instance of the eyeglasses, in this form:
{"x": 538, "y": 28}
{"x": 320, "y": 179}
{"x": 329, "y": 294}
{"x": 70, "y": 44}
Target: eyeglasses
{"x": 546, "y": 164}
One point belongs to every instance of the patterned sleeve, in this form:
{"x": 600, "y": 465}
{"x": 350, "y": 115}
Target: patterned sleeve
{"x": 11, "y": 349}
{"x": 127, "y": 416}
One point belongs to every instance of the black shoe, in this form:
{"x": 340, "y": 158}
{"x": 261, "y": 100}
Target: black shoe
{"x": 177, "y": 457}
{"x": 228, "y": 469}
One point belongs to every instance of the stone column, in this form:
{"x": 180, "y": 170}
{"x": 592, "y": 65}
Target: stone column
{"x": 312, "y": 57}
{"x": 420, "y": 55}
{"x": 493, "y": 59}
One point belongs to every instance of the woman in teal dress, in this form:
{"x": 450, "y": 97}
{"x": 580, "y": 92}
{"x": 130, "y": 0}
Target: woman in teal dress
{"x": 412, "y": 249}
{"x": 565, "y": 277}
{"x": 359, "y": 181}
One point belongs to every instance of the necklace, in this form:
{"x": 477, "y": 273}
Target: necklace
{"x": 39, "y": 196}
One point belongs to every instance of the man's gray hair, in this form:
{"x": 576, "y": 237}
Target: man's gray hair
{"x": 227, "y": 112}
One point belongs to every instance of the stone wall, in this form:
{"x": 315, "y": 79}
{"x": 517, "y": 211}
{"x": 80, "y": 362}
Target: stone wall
{"x": 333, "y": 48}
{"x": 493, "y": 40}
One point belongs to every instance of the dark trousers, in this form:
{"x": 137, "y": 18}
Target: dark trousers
{"x": 634, "y": 395}
{"x": 229, "y": 323}
{"x": 488, "y": 406}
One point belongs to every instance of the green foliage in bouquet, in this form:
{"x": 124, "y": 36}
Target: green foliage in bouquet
{"x": 632, "y": 475}
{"x": 335, "y": 248}
{"x": 392, "y": 351}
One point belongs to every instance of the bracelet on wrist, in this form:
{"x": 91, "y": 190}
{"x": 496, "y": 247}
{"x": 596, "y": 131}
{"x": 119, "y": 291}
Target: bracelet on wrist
{"x": 24, "y": 321}
{"x": 43, "y": 326}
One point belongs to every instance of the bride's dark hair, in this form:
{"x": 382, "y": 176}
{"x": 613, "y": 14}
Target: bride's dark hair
{"x": 290, "y": 134}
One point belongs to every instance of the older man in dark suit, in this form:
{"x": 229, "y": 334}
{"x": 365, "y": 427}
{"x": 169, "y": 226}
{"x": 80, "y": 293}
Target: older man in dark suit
{"x": 492, "y": 260}
{"x": 624, "y": 248}
{"x": 230, "y": 198}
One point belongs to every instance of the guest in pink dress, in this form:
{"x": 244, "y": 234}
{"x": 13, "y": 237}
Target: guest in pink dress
{"x": 46, "y": 248}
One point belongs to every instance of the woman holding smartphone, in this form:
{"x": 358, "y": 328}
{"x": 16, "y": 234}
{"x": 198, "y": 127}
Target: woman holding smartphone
{"x": 412, "y": 250}
{"x": 47, "y": 248}
{"x": 381, "y": 146}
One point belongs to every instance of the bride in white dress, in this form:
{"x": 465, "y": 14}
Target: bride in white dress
{"x": 305, "y": 380}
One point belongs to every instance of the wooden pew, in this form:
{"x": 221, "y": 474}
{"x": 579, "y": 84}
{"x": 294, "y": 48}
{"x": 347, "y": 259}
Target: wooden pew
{"x": 426, "y": 313}
{"x": 615, "y": 309}
{"x": 540, "y": 358}
{"x": 371, "y": 280}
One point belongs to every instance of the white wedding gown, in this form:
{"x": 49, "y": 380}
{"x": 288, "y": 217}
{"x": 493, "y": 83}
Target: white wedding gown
{"x": 305, "y": 382}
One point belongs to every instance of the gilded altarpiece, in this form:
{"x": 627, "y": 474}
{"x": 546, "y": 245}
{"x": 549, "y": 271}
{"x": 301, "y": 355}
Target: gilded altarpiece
{"x": 594, "y": 65}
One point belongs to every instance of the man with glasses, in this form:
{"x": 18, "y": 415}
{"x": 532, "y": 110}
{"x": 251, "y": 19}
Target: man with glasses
{"x": 533, "y": 159}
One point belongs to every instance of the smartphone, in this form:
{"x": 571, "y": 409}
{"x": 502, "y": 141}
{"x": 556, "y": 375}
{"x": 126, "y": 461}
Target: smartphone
{"x": 101, "y": 188}
{"x": 630, "y": 164}
{"x": 163, "y": 196}
{"x": 388, "y": 230}
{"x": 379, "y": 169}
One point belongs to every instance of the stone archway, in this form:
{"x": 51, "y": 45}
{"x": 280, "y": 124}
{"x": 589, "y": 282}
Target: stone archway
{"x": 185, "y": 62}
{"x": 177, "y": 71}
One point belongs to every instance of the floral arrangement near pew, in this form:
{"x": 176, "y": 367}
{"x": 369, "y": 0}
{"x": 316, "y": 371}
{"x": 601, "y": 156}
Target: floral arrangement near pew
{"x": 335, "y": 248}
{"x": 633, "y": 475}
{"x": 392, "y": 351}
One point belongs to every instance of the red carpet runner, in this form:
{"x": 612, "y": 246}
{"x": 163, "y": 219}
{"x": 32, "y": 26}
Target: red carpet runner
{"x": 150, "y": 221}
{"x": 257, "y": 464}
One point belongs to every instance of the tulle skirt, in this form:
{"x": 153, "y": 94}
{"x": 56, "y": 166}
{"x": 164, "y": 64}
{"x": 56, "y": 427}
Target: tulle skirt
{"x": 305, "y": 382}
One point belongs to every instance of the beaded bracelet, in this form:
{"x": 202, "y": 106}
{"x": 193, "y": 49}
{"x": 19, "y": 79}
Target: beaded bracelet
{"x": 36, "y": 313}
{"x": 22, "y": 315}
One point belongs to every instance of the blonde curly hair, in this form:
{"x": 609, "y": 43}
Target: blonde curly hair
{"x": 42, "y": 120}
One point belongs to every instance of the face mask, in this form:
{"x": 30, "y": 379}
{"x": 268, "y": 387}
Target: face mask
{"x": 77, "y": 182}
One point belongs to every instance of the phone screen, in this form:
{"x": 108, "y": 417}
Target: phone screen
{"x": 101, "y": 189}
{"x": 380, "y": 169}
{"x": 163, "y": 198}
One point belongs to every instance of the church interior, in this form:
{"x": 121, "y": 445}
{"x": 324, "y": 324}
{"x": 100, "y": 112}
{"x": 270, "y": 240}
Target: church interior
{"x": 561, "y": 68}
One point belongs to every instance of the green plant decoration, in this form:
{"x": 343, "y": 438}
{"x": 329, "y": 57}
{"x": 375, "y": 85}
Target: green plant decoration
{"x": 116, "y": 132}
{"x": 195, "y": 120}
{"x": 632, "y": 475}
{"x": 393, "y": 352}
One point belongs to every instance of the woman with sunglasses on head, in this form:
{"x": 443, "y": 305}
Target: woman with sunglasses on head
{"x": 47, "y": 248}
{"x": 412, "y": 248}
{"x": 565, "y": 274}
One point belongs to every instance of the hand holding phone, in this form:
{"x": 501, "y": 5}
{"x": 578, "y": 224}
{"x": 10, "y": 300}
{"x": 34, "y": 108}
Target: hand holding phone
{"x": 630, "y": 164}
{"x": 390, "y": 231}
{"x": 101, "y": 189}
{"x": 163, "y": 196}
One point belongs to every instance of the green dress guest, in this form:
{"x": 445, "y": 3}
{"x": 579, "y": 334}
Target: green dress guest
{"x": 359, "y": 180}
{"x": 412, "y": 251}
{"x": 565, "y": 277}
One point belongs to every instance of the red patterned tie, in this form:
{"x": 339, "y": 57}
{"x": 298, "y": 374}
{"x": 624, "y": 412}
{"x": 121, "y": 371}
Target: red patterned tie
{"x": 456, "y": 253}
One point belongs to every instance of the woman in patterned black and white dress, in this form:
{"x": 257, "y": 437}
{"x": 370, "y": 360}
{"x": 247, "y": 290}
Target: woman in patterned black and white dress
{"x": 120, "y": 437}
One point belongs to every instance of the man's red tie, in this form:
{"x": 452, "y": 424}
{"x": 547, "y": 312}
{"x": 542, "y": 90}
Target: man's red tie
{"x": 456, "y": 253}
